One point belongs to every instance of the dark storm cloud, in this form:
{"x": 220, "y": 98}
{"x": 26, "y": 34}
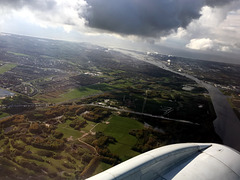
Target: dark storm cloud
{"x": 141, "y": 17}
{"x": 35, "y": 4}
{"x": 218, "y": 2}
{"x": 144, "y": 17}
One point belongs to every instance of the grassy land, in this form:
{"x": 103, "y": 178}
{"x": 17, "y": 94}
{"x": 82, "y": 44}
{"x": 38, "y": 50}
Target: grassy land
{"x": 7, "y": 67}
{"x": 18, "y": 54}
{"x": 46, "y": 56}
{"x": 101, "y": 87}
{"x": 68, "y": 131}
{"x": 52, "y": 165}
{"x": 2, "y": 115}
{"x": 80, "y": 92}
{"x": 89, "y": 126}
{"x": 119, "y": 128}
{"x": 72, "y": 94}
{"x": 101, "y": 167}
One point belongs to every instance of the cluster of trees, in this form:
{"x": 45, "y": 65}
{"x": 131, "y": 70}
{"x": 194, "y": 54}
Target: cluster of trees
{"x": 55, "y": 112}
{"x": 85, "y": 79}
{"x": 30, "y": 155}
{"x": 13, "y": 149}
{"x": 99, "y": 97}
{"x": 31, "y": 165}
{"x": 12, "y": 104}
{"x": 104, "y": 141}
{"x": 46, "y": 153}
{"x": 77, "y": 124}
{"x": 17, "y": 145}
{"x": 101, "y": 143}
{"x": 17, "y": 100}
{"x": 96, "y": 114}
{"x": 41, "y": 129}
{"x": 147, "y": 140}
{"x": 16, "y": 119}
{"x": 76, "y": 151}
{"x": 49, "y": 143}
{"x": 108, "y": 157}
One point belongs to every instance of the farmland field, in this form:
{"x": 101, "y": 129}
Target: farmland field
{"x": 119, "y": 128}
{"x": 7, "y": 67}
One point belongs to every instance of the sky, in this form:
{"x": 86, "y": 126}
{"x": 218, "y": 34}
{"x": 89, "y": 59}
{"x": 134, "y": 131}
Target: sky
{"x": 201, "y": 29}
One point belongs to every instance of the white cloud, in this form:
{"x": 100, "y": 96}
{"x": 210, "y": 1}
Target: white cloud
{"x": 200, "y": 44}
{"x": 64, "y": 14}
{"x": 208, "y": 44}
{"x": 225, "y": 49}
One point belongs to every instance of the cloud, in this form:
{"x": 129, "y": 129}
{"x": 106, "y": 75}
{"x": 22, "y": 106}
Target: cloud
{"x": 215, "y": 32}
{"x": 207, "y": 44}
{"x": 218, "y": 24}
{"x": 140, "y": 17}
{"x": 40, "y": 5}
{"x": 214, "y": 3}
{"x": 45, "y": 13}
{"x": 150, "y": 18}
{"x": 200, "y": 44}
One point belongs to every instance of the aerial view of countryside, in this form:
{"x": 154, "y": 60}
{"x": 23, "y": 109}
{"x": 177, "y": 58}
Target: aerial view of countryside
{"x": 86, "y": 85}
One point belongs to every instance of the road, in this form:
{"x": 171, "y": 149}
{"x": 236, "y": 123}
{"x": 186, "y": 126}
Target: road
{"x": 89, "y": 147}
{"x": 144, "y": 114}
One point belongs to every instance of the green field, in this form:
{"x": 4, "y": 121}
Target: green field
{"x": 79, "y": 92}
{"x": 119, "y": 128}
{"x": 7, "y": 67}
{"x": 68, "y": 131}
{"x": 101, "y": 167}
{"x": 73, "y": 94}
{"x": 89, "y": 125}
{"x": 53, "y": 164}
{"x": 18, "y": 54}
{"x": 2, "y": 115}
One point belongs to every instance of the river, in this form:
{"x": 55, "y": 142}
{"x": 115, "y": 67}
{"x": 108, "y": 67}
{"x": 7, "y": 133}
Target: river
{"x": 227, "y": 124}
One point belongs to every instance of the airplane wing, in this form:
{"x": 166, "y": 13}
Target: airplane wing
{"x": 179, "y": 162}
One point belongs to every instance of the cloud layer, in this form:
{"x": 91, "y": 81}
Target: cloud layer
{"x": 40, "y": 5}
{"x": 141, "y": 17}
{"x": 151, "y": 18}
{"x": 45, "y": 13}
{"x": 214, "y": 3}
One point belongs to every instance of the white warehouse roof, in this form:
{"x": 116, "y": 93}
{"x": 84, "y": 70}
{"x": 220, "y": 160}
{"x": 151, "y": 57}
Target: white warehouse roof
{"x": 180, "y": 161}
